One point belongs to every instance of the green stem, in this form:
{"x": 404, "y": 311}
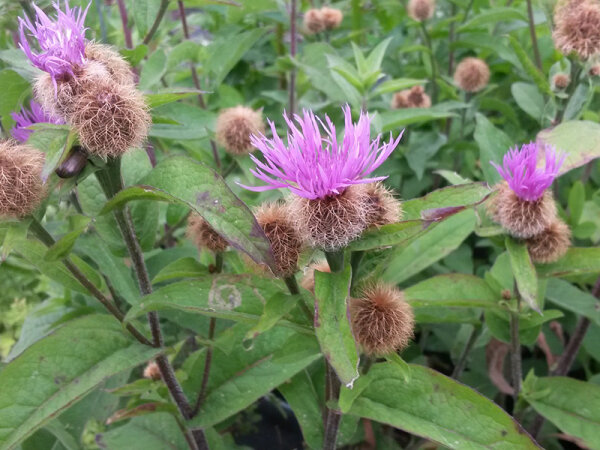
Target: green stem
{"x": 462, "y": 362}
{"x": 159, "y": 17}
{"x": 335, "y": 259}
{"x": 294, "y": 289}
{"x": 355, "y": 260}
{"x": 434, "y": 87}
{"x": 534, "y": 42}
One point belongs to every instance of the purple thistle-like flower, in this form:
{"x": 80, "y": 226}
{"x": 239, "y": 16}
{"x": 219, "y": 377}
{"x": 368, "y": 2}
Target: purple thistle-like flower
{"x": 61, "y": 41}
{"x": 522, "y": 174}
{"x": 28, "y": 117}
{"x": 313, "y": 166}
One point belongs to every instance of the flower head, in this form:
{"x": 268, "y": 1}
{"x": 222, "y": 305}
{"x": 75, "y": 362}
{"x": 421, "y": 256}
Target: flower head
{"x": 61, "y": 41}
{"x": 577, "y": 27}
{"x": 526, "y": 180}
{"x": 316, "y": 167}
{"x": 27, "y": 117}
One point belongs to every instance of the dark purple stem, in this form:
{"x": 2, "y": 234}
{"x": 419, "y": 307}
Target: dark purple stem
{"x": 125, "y": 21}
{"x": 293, "y": 38}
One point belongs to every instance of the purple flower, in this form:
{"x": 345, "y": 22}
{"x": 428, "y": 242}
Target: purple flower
{"x": 61, "y": 41}
{"x": 29, "y": 117}
{"x": 313, "y": 166}
{"x": 522, "y": 174}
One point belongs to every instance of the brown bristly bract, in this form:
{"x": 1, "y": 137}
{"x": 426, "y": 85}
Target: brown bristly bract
{"x": 577, "y": 27}
{"x": 308, "y": 279}
{"x": 382, "y": 321}
{"x": 203, "y": 235}
{"x": 110, "y": 119}
{"x": 313, "y": 21}
{"x": 561, "y": 80}
{"x": 151, "y": 371}
{"x": 595, "y": 70}
{"x": 234, "y": 127}
{"x": 332, "y": 17}
{"x": 400, "y": 100}
{"x": 414, "y": 97}
{"x": 21, "y": 187}
{"x": 384, "y": 208}
{"x": 332, "y": 222}
{"x": 421, "y": 10}
{"x": 472, "y": 74}
{"x": 521, "y": 218}
{"x": 551, "y": 244}
{"x": 285, "y": 243}
{"x": 119, "y": 69}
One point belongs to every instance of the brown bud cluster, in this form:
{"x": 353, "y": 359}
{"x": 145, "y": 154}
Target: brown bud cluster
{"x": 577, "y": 27}
{"x": 151, "y": 371}
{"x": 235, "y": 126}
{"x": 203, "y": 235}
{"x": 326, "y": 18}
{"x": 472, "y": 74}
{"x": 421, "y": 10}
{"x": 414, "y": 97}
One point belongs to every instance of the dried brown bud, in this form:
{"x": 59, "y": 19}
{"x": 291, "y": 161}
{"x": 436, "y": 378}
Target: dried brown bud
{"x": 561, "y": 80}
{"x": 382, "y": 321}
{"x": 521, "y": 218}
{"x": 308, "y": 280}
{"x": 203, "y": 235}
{"x": 331, "y": 223}
{"x": 285, "y": 243}
{"x": 384, "y": 208}
{"x": 421, "y": 10}
{"x": 414, "y": 97}
{"x": 332, "y": 18}
{"x": 472, "y": 74}
{"x": 595, "y": 70}
{"x": 577, "y": 27}
{"x": 506, "y": 294}
{"x": 551, "y": 244}
{"x": 119, "y": 69}
{"x": 151, "y": 371}
{"x": 314, "y": 21}
{"x": 234, "y": 127}
{"x": 21, "y": 188}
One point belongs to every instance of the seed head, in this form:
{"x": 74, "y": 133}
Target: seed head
{"x": 382, "y": 321}
{"x": 421, "y": 10}
{"x": 414, "y": 97}
{"x": 110, "y": 119}
{"x": 285, "y": 243}
{"x": 235, "y": 126}
{"x": 317, "y": 167}
{"x": 21, "y": 187}
{"x": 577, "y": 27}
{"x": 151, "y": 371}
{"x": 522, "y": 218}
{"x": 203, "y": 235}
{"x": 308, "y": 280}
{"x": 561, "y": 80}
{"x": 332, "y": 18}
{"x": 472, "y": 74}
{"x": 314, "y": 21}
{"x": 551, "y": 244}
{"x": 27, "y": 117}
{"x": 118, "y": 69}
{"x": 384, "y": 208}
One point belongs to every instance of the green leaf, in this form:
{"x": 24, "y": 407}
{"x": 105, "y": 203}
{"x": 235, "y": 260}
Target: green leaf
{"x": 135, "y": 55}
{"x": 493, "y": 16}
{"x": 162, "y": 98}
{"x": 15, "y": 232}
{"x": 572, "y": 299}
{"x": 60, "y": 369}
{"x": 577, "y": 261}
{"x": 14, "y": 90}
{"x": 392, "y": 120}
{"x": 578, "y": 101}
{"x": 576, "y": 202}
{"x": 187, "y": 267}
{"x": 438, "y": 408}
{"x": 185, "y": 181}
{"x": 360, "y": 61}
{"x": 153, "y": 70}
{"x": 375, "y": 58}
{"x": 332, "y": 324}
{"x": 428, "y": 248}
{"x": 493, "y": 144}
{"x": 64, "y": 245}
{"x": 536, "y": 75}
{"x": 453, "y": 177}
{"x": 529, "y": 99}
{"x": 388, "y": 235}
{"x": 243, "y": 375}
{"x": 55, "y": 141}
{"x": 144, "y": 13}
{"x": 395, "y": 85}
{"x": 524, "y": 272}
{"x": 452, "y": 290}
{"x": 276, "y": 308}
{"x": 572, "y": 405}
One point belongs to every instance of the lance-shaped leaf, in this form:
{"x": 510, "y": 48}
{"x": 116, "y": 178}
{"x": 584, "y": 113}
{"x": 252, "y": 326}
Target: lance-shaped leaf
{"x": 577, "y": 261}
{"x": 388, "y": 235}
{"x": 60, "y": 369}
{"x": 454, "y": 289}
{"x": 187, "y": 182}
{"x": 332, "y": 323}
{"x": 524, "y": 272}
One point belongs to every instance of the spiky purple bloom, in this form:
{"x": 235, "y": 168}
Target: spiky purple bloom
{"x": 315, "y": 166}
{"x": 61, "y": 40}
{"x": 522, "y": 174}
{"x": 28, "y": 117}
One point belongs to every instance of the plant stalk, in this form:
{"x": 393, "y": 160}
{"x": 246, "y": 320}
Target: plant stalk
{"x": 434, "y": 87}
{"x": 335, "y": 260}
{"x": 515, "y": 352}
{"x": 294, "y": 289}
{"x": 159, "y": 17}
{"x": 462, "y": 362}
{"x": 125, "y": 22}
{"x": 332, "y": 417}
{"x": 293, "y": 38}
{"x": 534, "y": 42}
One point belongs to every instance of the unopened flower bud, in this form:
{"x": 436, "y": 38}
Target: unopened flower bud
{"x": 551, "y": 244}
{"x": 314, "y": 21}
{"x": 384, "y": 208}
{"x": 21, "y": 188}
{"x": 235, "y": 126}
{"x": 203, "y": 235}
{"x": 118, "y": 68}
{"x": 421, "y": 10}
{"x": 308, "y": 280}
{"x": 332, "y": 222}
{"x": 151, "y": 371}
{"x": 577, "y": 27}
{"x": 414, "y": 97}
{"x": 561, "y": 80}
{"x": 73, "y": 164}
{"x": 595, "y": 70}
{"x": 332, "y": 17}
{"x": 472, "y": 74}
{"x": 382, "y": 321}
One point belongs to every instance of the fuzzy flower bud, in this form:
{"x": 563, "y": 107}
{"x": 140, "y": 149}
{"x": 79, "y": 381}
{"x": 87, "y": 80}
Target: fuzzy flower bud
{"x": 382, "y": 321}
{"x": 118, "y": 68}
{"x": 28, "y": 117}
{"x": 577, "y": 27}
{"x": 561, "y": 80}
{"x": 551, "y": 244}
{"x": 384, "y": 208}
{"x": 314, "y": 21}
{"x": 472, "y": 74}
{"x": 285, "y": 243}
{"x": 332, "y": 18}
{"x": 203, "y": 235}
{"x": 414, "y": 97}
{"x": 21, "y": 187}
{"x": 308, "y": 279}
{"x": 421, "y": 10}
{"x": 235, "y": 126}
{"x": 151, "y": 371}
{"x": 595, "y": 70}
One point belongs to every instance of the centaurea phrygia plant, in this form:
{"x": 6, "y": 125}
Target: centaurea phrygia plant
{"x": 27, "y": 117}
{"x": 524, "y": 204}
{"x": 330, "y": 204}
